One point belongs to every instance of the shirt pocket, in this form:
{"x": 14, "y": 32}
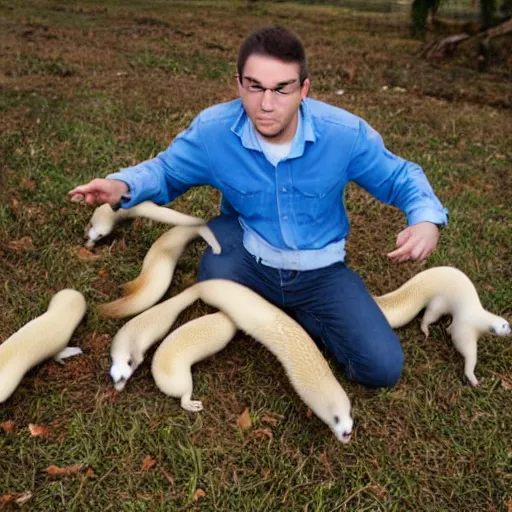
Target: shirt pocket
{"x": 248, "y": 201}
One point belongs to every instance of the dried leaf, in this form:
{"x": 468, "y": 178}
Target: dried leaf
{"x": 199, "y": 492}
{"x": 148, "y": 463}
{"x": 23, "y": 498}
{"x": 309, "y": 413}
{"x": 39, "y": 430}
{"x": 244, "y": 420}
{"x": 28, "y": 184}
{"x": 90, "y": 473}
{"x": 21, "y": 244}
{"x": 269, "y": 419}
{"x": 167, "y": 475}
{"x": 8, "y": 426}
{"x": 262, "y": 432}
{"x": 7, "y": 498}
{"x": 69, "y": 470}
{"x": 506, "y": 380}
{"x": 86, "y": 255}
{"x": 509, "y": 505}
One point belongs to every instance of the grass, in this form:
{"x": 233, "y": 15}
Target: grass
{"x": 90, "y": 88}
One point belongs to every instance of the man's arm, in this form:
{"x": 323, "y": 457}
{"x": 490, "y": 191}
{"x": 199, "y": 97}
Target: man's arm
{"x": 403, "y": 184}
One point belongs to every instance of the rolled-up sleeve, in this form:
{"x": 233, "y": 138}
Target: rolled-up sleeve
{"x": 392, "y": 179}
{"x": 171, "y": 173}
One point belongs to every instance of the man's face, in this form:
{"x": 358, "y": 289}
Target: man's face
{"x": 271, "y": 94}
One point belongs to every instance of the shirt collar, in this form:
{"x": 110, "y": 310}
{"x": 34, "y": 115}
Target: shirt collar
{"x": 244, "y": 128}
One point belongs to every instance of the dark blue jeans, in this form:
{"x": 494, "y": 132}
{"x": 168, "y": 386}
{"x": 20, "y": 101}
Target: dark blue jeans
{"x": 332, "y": 305}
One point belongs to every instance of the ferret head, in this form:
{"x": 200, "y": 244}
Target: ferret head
{"x": 120, "y": 372}
{"x": 333, "y": 407}
{"x": 500, "y": 327}
{"x": 341, "y": 422}
{"x": 101, "y": 224}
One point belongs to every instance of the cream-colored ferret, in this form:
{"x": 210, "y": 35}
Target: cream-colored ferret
{"x": 44, "y": 337}
{"x": 104, "y": 218}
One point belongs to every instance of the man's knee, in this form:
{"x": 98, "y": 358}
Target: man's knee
{"x": 383, "y": 369}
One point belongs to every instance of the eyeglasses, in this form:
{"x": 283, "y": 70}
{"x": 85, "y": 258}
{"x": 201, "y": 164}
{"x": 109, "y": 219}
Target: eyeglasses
{"x": 280, "y": 91}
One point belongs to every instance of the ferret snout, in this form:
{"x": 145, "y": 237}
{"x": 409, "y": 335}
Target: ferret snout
{"x": 120, "y": 373}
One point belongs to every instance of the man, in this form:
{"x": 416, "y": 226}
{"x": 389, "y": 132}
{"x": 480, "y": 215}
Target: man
{"x": 282, "y": 162}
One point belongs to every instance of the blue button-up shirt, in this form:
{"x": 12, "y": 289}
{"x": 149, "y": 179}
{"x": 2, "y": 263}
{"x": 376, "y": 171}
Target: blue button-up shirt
{"x": 292, "y": 214}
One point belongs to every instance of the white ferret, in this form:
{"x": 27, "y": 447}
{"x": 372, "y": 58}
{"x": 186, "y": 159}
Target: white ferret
{"x": 43, "y": 337}
{"x": 445, "y": 291}
{"x": 104, "y": 218}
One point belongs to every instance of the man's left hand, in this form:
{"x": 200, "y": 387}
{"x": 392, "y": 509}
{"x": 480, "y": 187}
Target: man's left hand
{"x": 415, "y": 242}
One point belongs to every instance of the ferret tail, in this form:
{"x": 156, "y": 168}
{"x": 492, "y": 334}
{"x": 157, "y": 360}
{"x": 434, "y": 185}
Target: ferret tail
{"x": 144, "y": 292}
{"x": 163, "y": 214}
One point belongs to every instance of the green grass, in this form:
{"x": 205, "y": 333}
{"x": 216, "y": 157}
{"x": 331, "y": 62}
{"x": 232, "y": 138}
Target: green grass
{"x": 92, "y": 87}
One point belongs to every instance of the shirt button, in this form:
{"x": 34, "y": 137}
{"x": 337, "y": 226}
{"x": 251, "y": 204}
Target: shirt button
{"x": 285, "y": 217}
{"x": 284, "y": 189}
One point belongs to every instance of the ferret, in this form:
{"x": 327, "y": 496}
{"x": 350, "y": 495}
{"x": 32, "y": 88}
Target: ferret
{"x": 43, "y": 337}
{"x": 136, "y": 336}
{"x": 157, "y": 271}
{"x": 192, "y": 342}
{"x": 445, "y": 291}
{"x": 104, "y": 218}
{"x": 307, "y": 370}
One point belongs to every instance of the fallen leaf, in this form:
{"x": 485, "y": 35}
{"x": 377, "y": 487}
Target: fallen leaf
{"x": 8, "y": 426}
{"x": 28, "y": 184}
{"x": 262, "y": 432}
{"x": 244, "y": 420}
{"x": 23, "y": 498}
{"x": 21, "y": 244}
{"x": 167, "y": 475}
{"x": 69, "y": 470}
{"x": 506, "y": 380}
{"x": 148, "y": 463}
{"x": 85, "y": 254}
{"x": 198, "y": 494}
{"x": 269, "y": 419}
{"x": 309, "y": 413}
{"x": 90, "y": 473}
{"x": 39, "y": 430}
{"x": 7, "y": 498}
{"x": 509, "y": 505}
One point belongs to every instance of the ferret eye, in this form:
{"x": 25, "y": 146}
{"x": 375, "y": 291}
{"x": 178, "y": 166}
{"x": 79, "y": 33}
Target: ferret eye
{"x": 336, "y": 420}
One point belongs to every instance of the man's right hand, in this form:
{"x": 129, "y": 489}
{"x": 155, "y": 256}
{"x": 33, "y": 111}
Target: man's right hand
{"x": 100, "y": 191}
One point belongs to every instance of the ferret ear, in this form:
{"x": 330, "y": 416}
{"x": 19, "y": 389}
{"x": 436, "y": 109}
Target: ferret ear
{"x": 492, "y": 329}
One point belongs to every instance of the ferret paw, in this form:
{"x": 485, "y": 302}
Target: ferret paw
{"x": 66, "y": 353}
{"x": 193, "y": 406}
{"x": 472, "y": 380}
{"x": 425, "y": 330}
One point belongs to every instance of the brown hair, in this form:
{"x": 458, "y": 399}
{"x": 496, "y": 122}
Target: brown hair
{"x": 277, "y": 42}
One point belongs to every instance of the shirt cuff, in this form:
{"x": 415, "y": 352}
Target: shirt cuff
{"x": 438, "y": 217}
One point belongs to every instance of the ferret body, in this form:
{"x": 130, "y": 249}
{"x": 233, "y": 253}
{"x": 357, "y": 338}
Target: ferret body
{"x": 157, "y": 271}
{"x": 307, "y": 370}
{"x": 136, "y": 336}
{"x": 104, "y": 219}
{"x": 42, "y": 338}
{"x": 192, "y": 342}
{"x": 445, "y": 291}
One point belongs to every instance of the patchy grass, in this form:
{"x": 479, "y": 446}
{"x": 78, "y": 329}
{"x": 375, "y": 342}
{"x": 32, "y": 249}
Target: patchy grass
{"x": 90, "y": 88}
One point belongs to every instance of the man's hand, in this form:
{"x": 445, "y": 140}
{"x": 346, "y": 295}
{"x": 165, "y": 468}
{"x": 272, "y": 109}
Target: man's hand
{"x": 415, "y": 242}
{"x": 100, "y": 191}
